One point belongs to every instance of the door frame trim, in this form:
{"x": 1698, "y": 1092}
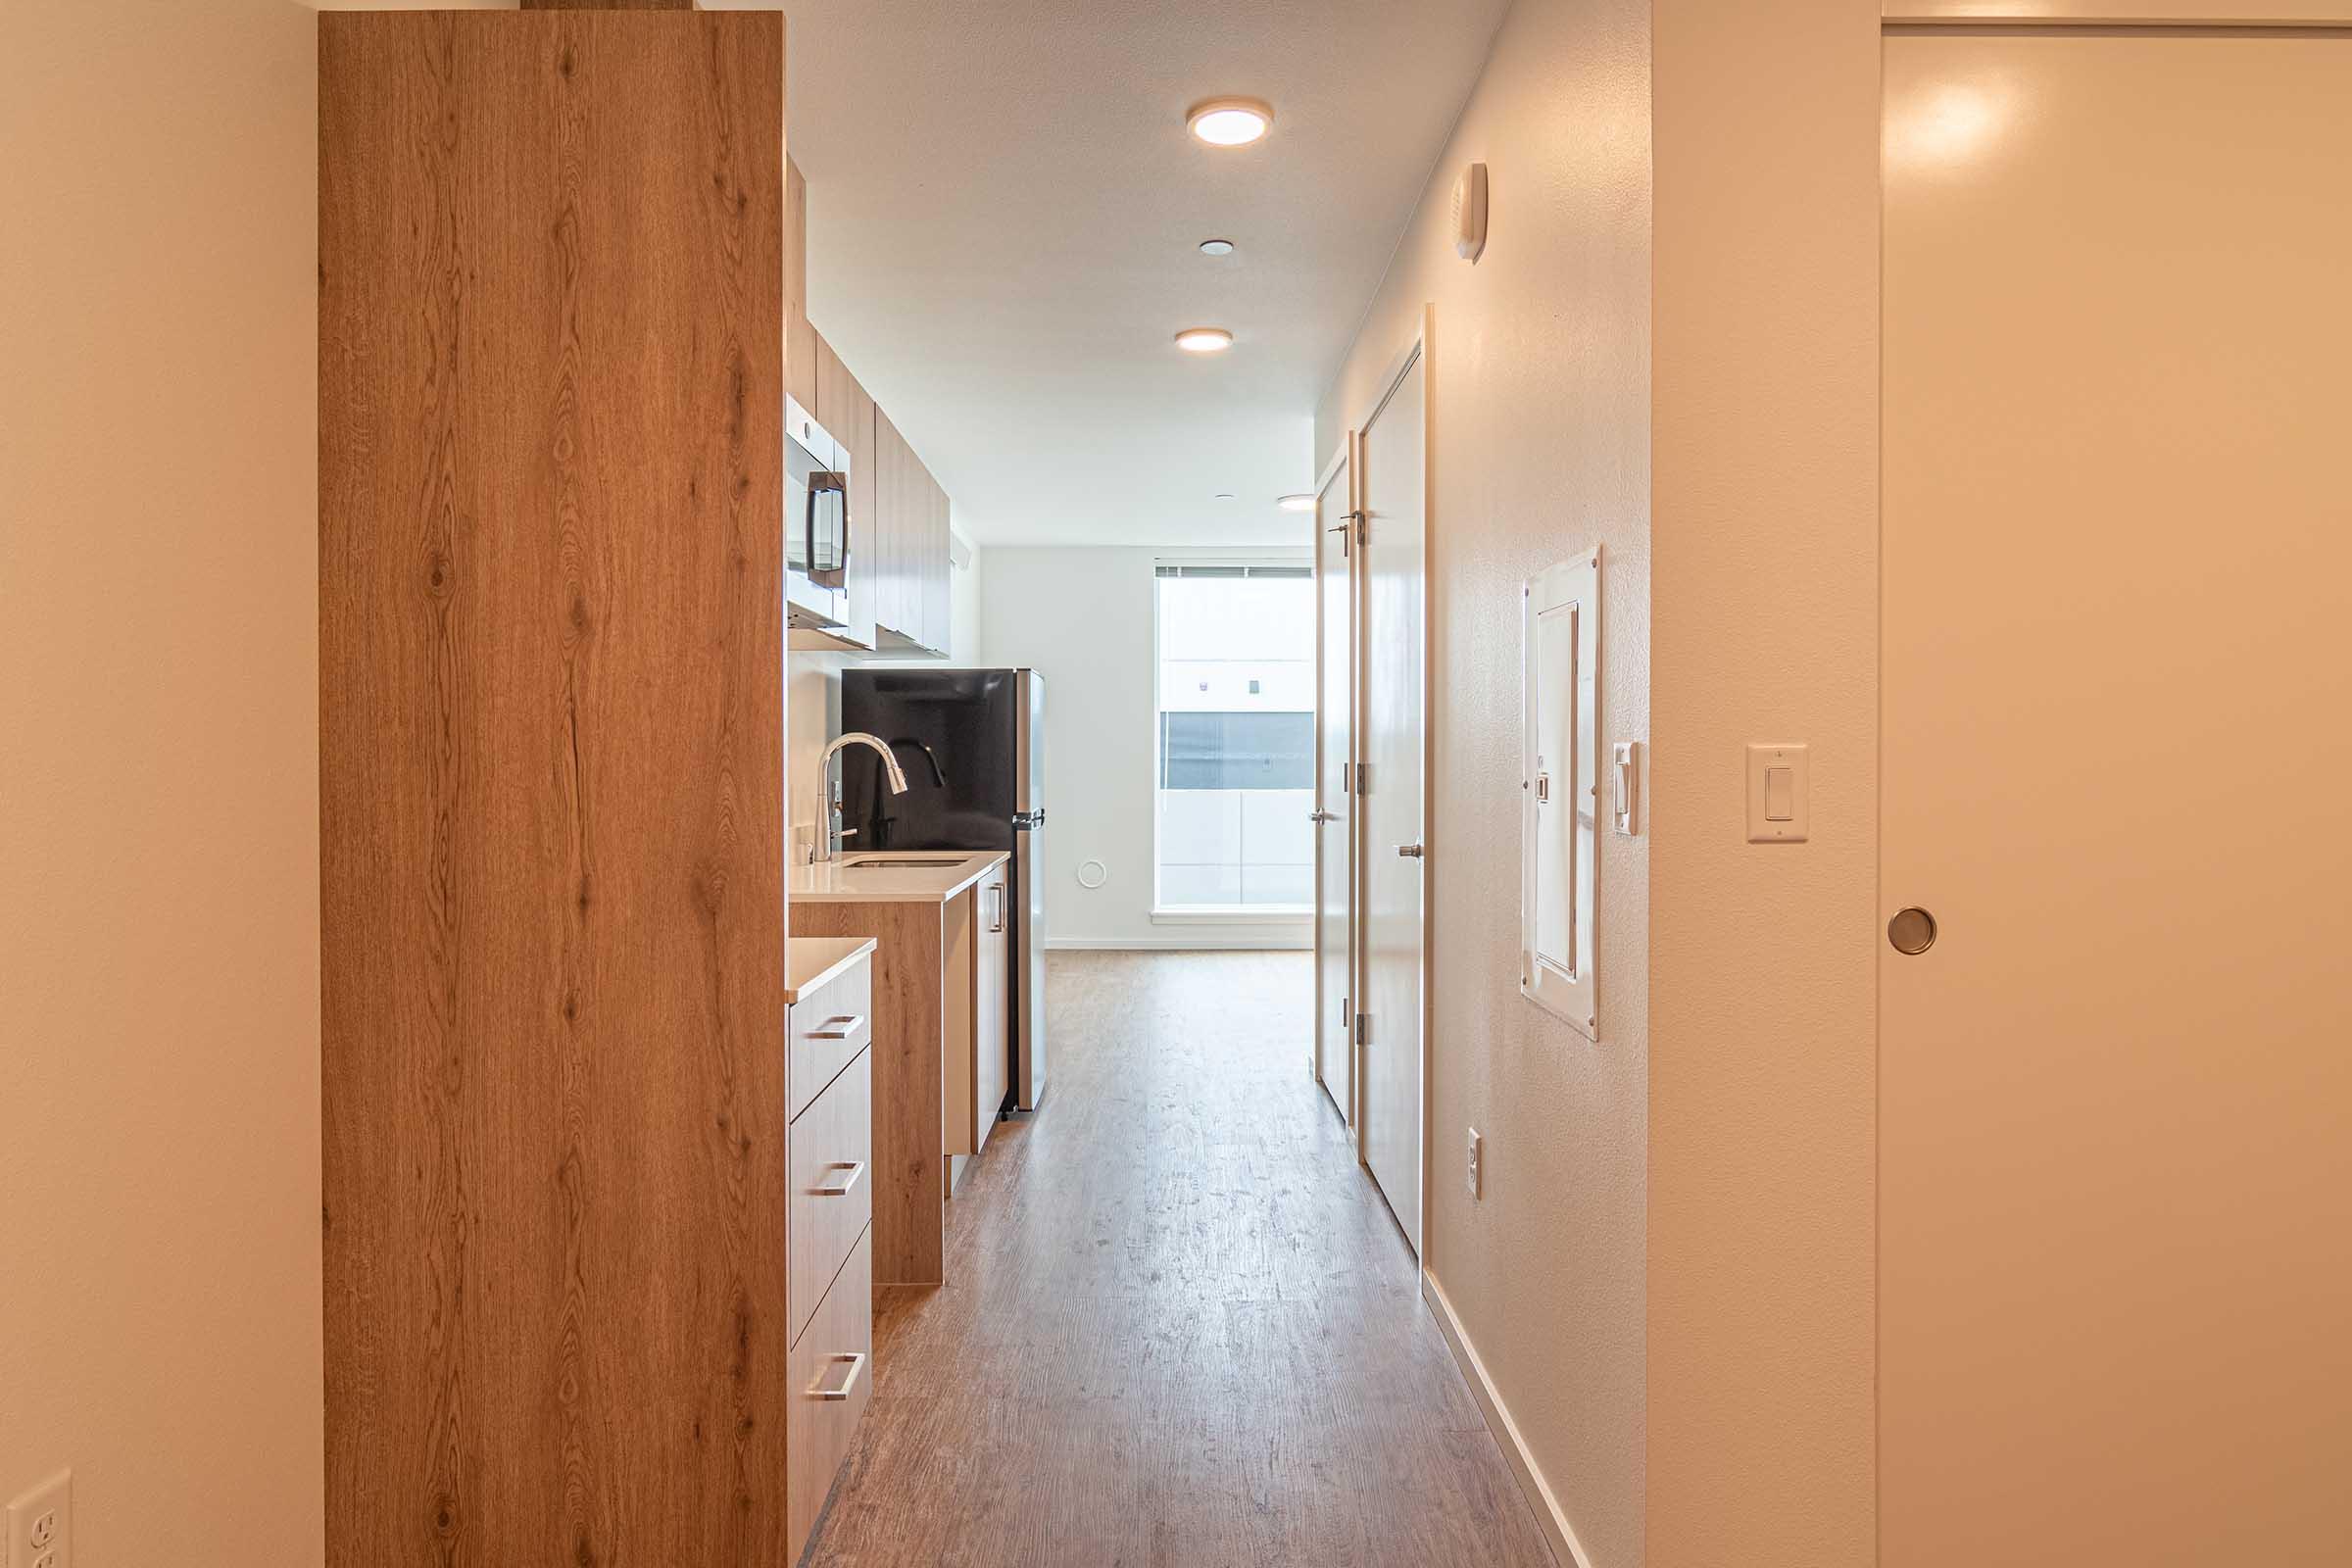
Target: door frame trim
{"x": 1343, "y": 456}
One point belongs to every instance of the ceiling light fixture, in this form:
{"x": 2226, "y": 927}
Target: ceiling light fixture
{"x": 1227, "y": 495}
{"x": 1217, "y": 247}
{"x": 1204, "y": 340}
{"x": 1230, "y": 121}
{"x": 1296, "y": 502}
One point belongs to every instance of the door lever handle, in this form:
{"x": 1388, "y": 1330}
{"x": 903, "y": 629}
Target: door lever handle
{"x": 1411, "y": 852}
{"x": 1322, "y": 817}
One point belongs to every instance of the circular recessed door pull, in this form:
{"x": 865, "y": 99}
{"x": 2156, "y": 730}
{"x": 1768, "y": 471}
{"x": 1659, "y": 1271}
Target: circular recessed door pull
{"x": 1912, "y": 931}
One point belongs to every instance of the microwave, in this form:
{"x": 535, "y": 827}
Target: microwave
{"x": 816, "y": 525}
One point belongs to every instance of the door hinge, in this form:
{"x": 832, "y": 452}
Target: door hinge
{"x": 1364, "y": 1028}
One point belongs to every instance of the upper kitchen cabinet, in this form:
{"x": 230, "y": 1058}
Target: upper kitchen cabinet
{"x": 800, "y": 338}
{"x": 845, "y": 415}
{"x": 912, "y": 614}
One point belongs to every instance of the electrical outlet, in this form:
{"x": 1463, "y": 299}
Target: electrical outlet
{"x": 40, "y": 1524}
{"x": 1477, "y": 1151}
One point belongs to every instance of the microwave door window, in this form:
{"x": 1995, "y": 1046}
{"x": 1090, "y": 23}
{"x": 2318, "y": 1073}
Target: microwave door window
{"x": 799, "y": 529}
{"x": 828, "y": 529}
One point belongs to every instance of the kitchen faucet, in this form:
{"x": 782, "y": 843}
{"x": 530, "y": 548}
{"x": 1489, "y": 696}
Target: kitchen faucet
{"x": 828, "y": 844}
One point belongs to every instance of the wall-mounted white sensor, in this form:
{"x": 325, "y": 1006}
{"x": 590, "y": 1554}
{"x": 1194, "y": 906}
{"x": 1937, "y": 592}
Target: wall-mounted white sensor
{"x": 1470, "y": 213}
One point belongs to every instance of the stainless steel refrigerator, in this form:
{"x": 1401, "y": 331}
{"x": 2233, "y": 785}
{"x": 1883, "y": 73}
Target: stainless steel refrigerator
{"x": 972, "y": 745}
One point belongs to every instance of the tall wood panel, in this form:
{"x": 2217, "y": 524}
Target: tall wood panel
{"x": 550, "y": 376}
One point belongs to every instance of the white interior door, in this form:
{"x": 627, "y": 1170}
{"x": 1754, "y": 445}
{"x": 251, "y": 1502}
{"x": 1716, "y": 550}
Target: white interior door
{"x": 1392, "y": 649}
{"x": 1335, "y": 815}
{"x": 2116, "y": 1093}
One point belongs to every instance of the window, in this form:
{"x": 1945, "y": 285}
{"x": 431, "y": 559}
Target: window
{"x": 1237, "y": 740}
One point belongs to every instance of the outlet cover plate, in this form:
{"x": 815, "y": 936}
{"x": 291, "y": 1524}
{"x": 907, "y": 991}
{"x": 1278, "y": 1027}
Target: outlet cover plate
{"x": 40, "y": 1524}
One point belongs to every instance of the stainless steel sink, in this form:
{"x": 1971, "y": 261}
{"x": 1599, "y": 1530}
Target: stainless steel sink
{"x": 898, "y": 863}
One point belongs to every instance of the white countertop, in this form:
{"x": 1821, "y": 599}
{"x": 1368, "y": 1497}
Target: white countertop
{"x": 847, "y": 881}
{"x": 811, "y": 961}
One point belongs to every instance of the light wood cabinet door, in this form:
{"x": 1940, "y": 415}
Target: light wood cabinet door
{"x": 935, "y": 566}
{"x": 990, "y": 997}
{"x": 800, "y": 338}
{"x": 897, "y": 550}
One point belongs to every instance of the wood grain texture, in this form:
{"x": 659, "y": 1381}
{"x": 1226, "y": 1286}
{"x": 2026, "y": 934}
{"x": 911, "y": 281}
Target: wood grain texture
{"x": 552, "y": 779}
{"x": 910, "y": 1188}
{"x": 1181, "y": 1327}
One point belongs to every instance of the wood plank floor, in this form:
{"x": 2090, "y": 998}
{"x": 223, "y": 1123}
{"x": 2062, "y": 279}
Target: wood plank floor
{"x": 1180, "y": 1327}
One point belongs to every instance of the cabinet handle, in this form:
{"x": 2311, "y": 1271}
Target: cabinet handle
{"x": 849, "y": 1380}
{"x": 999, "y": 923}
{"x": 855, "y": 1169}
{"x": 838, "y": 1028}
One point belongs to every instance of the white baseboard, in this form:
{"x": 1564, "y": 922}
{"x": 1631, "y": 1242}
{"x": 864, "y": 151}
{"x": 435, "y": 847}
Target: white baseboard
{"x": 1202, "y": 940}
{"x": 1549, "y": 1513}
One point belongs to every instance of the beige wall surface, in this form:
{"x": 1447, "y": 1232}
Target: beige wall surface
{"x": 1539, "y": 408}
{"x": 1763, "y": 1028}
{"x": 159, "y": 816}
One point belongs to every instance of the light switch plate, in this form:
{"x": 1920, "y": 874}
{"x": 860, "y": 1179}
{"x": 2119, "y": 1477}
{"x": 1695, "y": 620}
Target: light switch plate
{"x": 1624, "y": 787}
{"x": 1779, "y": 792}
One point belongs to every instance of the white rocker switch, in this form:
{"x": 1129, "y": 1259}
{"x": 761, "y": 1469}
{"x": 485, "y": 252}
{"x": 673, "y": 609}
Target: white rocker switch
{"x": 1776, "y": 791}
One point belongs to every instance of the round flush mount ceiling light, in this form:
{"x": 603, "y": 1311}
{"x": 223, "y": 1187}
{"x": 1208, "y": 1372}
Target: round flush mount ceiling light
{"x": 1204, "y": 340}
{"x": 1298, "y": 503}
{"x": 1230, "y": 121}
{"x": 1217, "y": 247}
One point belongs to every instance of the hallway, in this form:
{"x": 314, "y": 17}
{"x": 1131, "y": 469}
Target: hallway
{"x": 1180, "y": 1327}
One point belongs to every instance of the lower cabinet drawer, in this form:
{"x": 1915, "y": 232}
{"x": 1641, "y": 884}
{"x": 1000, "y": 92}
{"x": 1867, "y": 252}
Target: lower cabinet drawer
{"x": 832, "y": 1195}
{"x": 828, "y": 1030}
{"x": 831, "y": 1379}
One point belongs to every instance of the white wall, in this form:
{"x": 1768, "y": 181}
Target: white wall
{"x": 1538, "y": 390}
{"x": 159, "y": 832}
{"x": 1763, "y": 1090}
{"x": 1084, "y": 616}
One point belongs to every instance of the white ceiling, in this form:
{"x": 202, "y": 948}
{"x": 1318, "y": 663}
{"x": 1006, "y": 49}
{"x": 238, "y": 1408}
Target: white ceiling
{"x": 1003, "y": 216}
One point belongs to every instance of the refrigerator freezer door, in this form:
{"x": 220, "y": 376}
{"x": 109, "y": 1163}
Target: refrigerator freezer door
{"x": 1029, "y": 890}
{"x": 1029, "y": 969}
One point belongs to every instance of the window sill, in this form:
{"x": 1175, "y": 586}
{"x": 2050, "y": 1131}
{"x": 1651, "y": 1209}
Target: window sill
{"x": 1236, "y": 914}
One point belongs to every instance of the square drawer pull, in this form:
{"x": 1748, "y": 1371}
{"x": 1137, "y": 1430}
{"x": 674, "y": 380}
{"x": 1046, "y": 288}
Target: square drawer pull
{"x": 855, "y": 1169}
{"x": 838, "y": 1028}
{"x": 849, "y": 1380}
